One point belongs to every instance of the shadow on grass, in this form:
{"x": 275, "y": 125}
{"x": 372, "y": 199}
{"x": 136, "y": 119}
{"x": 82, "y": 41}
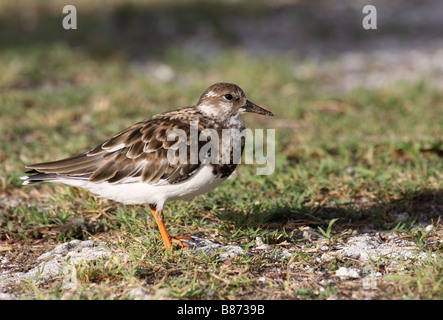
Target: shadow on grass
{"x": 422, "y": 207}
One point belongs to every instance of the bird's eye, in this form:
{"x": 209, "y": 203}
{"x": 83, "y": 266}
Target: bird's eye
{"x": 228, "y": 96}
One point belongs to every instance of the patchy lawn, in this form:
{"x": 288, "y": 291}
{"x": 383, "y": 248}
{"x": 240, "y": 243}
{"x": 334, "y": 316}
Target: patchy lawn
{"x": 356, "y": 166}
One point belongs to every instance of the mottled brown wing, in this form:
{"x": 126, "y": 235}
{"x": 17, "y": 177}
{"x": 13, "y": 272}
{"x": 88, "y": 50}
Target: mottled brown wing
{"x": 139, "y": 151}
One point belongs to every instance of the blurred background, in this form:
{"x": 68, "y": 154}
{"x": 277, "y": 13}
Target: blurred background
{"x": 329, "y": 34}
{"x": 349, "y": 102}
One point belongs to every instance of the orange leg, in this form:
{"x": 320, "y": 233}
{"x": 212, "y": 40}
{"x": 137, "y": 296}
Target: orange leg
{"x": 167, "y": 239}
{"x": 158, "y": 216}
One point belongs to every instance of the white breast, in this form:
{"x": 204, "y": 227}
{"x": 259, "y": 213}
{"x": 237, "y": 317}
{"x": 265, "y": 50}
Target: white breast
{"x": 137, "y": 192}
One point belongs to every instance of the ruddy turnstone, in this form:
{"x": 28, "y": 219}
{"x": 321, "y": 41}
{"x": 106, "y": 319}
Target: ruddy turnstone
{"x": 134, "y": 167}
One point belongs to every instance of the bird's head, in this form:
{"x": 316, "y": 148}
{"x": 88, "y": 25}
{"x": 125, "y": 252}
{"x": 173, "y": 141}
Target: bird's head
{"x": 226, "y": 100}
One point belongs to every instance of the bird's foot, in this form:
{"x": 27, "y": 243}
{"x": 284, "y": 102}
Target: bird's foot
{"x": 179, "y": 240}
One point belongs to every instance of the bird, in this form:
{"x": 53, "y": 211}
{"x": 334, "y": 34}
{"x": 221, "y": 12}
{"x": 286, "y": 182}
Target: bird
{"x": 134, "y": 166}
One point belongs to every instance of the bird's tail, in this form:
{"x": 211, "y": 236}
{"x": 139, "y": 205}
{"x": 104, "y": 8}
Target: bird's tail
{"x": 78, "y": 167}
{"x": 35, "y": 177}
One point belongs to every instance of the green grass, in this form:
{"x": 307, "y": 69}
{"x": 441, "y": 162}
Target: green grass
{"x": 361, "y": 157}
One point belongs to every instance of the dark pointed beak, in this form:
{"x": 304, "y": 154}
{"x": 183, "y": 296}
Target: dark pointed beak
{"x": 253, "y": 108}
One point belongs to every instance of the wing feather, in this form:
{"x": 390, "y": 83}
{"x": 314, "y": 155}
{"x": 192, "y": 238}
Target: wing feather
{"x": 139, "y": 151}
